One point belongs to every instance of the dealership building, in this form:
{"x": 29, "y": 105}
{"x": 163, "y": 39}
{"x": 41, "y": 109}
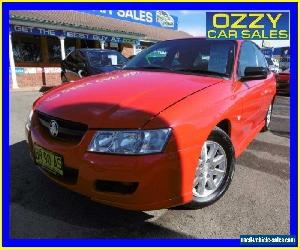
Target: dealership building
{"x": 39, "y": 40}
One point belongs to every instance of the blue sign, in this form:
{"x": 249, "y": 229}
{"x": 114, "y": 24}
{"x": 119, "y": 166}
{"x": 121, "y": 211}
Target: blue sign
{"x": 282, "y": 51}
{"x": 267, "y": 51}
{"x": 18, "y": 70}
{"x": 87, "y": 36}
{"x": 70, "y": 34}
{"x": 247, "y": 25}
{"x": 158, "y": 18}
{"x": 35, "y": 30}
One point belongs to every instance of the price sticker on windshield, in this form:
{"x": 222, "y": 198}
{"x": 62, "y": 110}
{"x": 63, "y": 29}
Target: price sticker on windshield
{"x": 247, "y": 25}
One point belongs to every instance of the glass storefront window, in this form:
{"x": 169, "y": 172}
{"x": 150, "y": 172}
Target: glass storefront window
{"x": 26, "y": 48}
{"x": 88, "y": 44}
{"x": 70, "y": 45}
{"x": 54, "y": 52}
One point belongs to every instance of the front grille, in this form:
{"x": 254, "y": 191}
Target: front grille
{"x": 67, "y": 130}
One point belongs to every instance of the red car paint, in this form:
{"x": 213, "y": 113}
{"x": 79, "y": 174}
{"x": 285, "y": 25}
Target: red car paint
{"x": 191, "y": 105}
{"x": 283, "y": 81}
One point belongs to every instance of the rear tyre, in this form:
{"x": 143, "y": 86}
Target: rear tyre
{"x": 268, "y": 119}
{"x": 215, "y": 169}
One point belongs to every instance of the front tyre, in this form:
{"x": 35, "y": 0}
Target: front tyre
{"x": 215, "y": 169}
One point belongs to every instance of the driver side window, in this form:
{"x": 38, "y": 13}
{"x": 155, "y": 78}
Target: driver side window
{"x": 247, "y": 58}
{"x": 250, "y": 56}
{"x": 262, "y": 61}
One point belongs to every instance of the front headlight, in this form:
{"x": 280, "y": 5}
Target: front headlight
{"x": 129, "y": 141}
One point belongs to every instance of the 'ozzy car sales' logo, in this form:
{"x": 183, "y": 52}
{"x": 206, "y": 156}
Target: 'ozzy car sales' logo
{"x": 247, "y": 25}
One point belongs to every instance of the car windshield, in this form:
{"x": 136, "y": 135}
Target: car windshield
{"x": 105, "y": 58}
{"x": 196, "y": 56}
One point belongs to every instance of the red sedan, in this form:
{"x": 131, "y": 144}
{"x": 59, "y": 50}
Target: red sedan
{"x": 165, "y": 130}
{"x": 283, "y": 82}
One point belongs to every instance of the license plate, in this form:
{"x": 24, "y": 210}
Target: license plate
{"x": 48, "y": 160}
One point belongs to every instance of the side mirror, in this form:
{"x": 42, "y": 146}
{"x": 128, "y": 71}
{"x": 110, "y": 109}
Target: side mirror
{"x": 254, "y": 73}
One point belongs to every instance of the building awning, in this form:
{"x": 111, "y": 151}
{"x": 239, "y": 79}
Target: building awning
{"x": 81, "y": 21}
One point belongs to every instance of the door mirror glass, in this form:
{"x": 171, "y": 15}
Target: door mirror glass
{"x": 254, "y": 73}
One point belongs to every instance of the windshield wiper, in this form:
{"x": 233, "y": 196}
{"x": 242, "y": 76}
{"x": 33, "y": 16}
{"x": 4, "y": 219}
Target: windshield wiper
{"x": 204, "y": 72}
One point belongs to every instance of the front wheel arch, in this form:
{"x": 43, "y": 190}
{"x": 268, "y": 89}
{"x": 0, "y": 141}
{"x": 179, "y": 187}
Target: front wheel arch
{"x": 225, "y": 125}
{"x": 222, "y": 138}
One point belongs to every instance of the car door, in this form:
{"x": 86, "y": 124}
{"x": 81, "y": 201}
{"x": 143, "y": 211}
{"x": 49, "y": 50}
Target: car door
{"x": 269, "y": 84}
{"x": 69, "y": 68}
{"x": 72, "y": 66}
{"x": 81, "y": 63}
{"x": 254, "y": 89}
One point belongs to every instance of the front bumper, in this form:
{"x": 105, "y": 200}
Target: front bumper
{"x": 161, "y": 180}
